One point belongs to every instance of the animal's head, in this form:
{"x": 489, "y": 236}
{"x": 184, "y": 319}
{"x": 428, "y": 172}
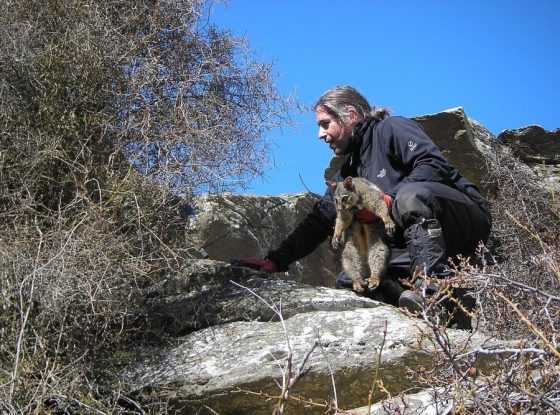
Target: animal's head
{"x": 345, "y": 196}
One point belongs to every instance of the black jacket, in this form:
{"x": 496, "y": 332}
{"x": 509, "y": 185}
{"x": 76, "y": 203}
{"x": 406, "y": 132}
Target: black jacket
{"x": 389, "y": 153}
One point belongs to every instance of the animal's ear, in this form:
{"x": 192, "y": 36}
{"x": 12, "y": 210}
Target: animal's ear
{"x": 331, "y": 184}
{"x": 348, "y": 185}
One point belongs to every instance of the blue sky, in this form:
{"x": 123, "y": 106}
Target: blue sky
{"x": 500, "y": 60}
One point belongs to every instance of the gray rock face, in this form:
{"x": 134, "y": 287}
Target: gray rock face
{"x": 464, "y": 142}
{"x": 214, "y": 365}
{"x": 533, "y": 144}
{"x": 540, "y": 149}
{"x": 205, "y": 294}
{"x": 234, "y": 226}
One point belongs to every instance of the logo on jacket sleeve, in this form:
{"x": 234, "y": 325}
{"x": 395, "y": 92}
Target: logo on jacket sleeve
{"x": 382, "y": 173}
{"x": 412, "y": 145}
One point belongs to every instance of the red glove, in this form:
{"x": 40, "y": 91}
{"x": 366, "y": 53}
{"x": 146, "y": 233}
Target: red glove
{"x": 366, "y": 216}
{"x": 388, "y": 200}
{"x": 260, "y": 264}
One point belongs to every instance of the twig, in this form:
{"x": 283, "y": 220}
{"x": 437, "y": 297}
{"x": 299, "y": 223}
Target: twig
{"x": 26, "y": 316}
{"x": 35, "y": 270}
{"x": 530, "y": 326}
{"x": 305, "y": 186}
{"x": 527, "y": 350}
{"x": 267, "y": 396}
{"x": 440, "y": 336}
{"x": 211, "y": 410}
{"x": 526, "y": 287}
{"x": 531, "y": 233}
{"x": 272, "y": 307}
{"x": 335, "y": 397}
{"x": 378, "y": 365}
{"x": 289, "y": 379}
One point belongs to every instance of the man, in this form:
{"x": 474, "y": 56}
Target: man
{"x": 438, "y": 213}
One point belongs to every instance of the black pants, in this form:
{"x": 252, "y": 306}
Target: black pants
{"x": 464, "y": 222}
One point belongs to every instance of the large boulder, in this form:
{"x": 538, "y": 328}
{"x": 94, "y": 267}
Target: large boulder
{"x": 225, "y": 365}
{"x": 539, "y": 148}
{"x": 463, "y": 141}
{"x": 208, "y": 293}
{"x": 235, "y": 226}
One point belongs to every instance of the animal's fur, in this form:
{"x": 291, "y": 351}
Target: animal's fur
{"x": 365, "y": 254}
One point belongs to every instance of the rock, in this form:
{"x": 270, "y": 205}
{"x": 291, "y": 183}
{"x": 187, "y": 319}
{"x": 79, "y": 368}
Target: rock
{"x": 540, "y": 149}
{"x": 234, "y": 226}
{"x": 411, "y": 404}
{"x": 463, "y": 141}
{"x": 533, "y": 144}
{"x": 206, "y": 294}
{"x": 214, "y": 366}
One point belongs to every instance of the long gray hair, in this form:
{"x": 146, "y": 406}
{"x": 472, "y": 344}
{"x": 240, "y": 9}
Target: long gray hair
{"x": 339, "y": 100}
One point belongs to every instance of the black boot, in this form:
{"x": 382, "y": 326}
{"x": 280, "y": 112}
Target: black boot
{"x": 427, "y": 249}
{"x": 428, "y": 255}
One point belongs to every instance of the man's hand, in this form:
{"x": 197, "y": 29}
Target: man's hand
{"x": 366, "y": 216}
{"x": 260, "y": 264}
{"x": 388, "y": 200}
{"x": 336, "y": 242}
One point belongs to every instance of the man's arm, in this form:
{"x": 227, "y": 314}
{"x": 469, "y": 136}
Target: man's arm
{"x": 418, "y": 156}
{"x": 313, "y": 230}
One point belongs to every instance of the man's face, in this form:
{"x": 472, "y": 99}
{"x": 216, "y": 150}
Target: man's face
{"x": 335, "y": 133}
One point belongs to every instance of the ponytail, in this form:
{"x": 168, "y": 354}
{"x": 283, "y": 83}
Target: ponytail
{"x": 338, "y": 102}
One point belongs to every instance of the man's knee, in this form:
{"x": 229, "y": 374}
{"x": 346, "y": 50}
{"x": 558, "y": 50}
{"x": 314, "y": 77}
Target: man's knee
{"x": 412, "y": 202}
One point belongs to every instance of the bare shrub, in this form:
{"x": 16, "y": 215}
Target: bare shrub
{"x": 518, "y": 298}
{"x": 527, "y": 228}
{"x": 95, "y": 98}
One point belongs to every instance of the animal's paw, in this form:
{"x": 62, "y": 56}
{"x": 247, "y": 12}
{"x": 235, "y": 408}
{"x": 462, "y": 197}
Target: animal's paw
{"x": 390, "y": 227}
{"x": 373, "y": 282}
{"x": 358, "y": 286}
{"x": 336, "y": 242}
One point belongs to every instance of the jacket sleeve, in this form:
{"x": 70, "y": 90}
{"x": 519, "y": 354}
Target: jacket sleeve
{"x": 307, "y": 236}
{"x": 415, "y": 154}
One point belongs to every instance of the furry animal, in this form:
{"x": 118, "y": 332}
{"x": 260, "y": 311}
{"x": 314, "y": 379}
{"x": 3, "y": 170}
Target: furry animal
{"x": 365, "y": 254}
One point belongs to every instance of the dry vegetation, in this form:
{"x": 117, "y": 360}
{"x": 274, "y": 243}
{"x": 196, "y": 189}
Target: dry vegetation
{"x": 86, "y": 86}
{"x": 517, "y": 288}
